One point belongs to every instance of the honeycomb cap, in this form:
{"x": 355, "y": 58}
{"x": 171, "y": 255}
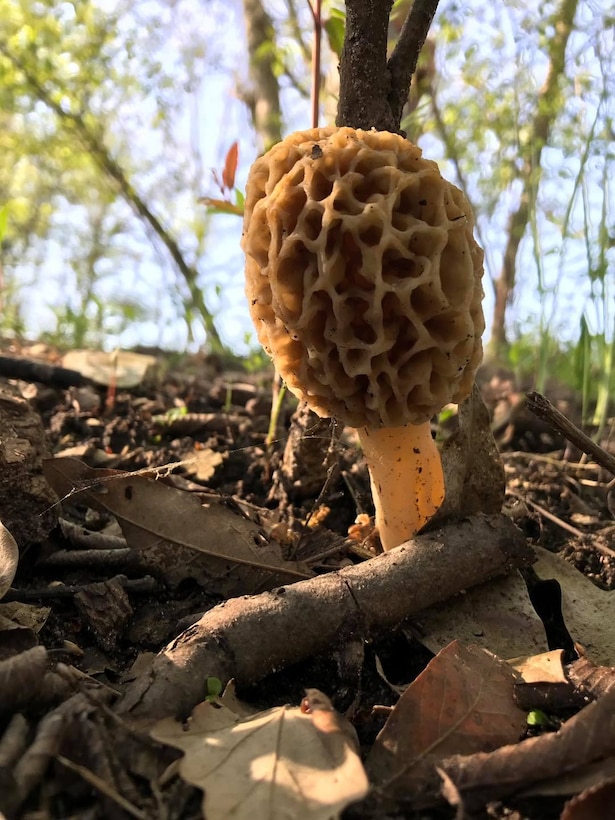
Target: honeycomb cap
{"x": 363, "y": 276}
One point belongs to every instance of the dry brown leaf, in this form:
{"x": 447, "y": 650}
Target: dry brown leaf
{"x": 9, "y": 558}
{"x": 140, "y": 666}
{"x": 462, "y": 702}
{"x": 205, "y": 464}
{"x": 544, "y": 684}
{"x": 590, "y": 678}
{"x": 497, "y": 615}
{"x": 27, "y": 616}
{"x": 589, "y": 612}
{"x": 552, "y": 698}
{"x": 21, "y": 679}
{"x": 156, "y": 518}
{"x": 582, "y": 779}
{"x": 272, "y": 765}
{"x": 547, "y": 667}
{"x": 14, "y": 639}
{"x": 592, "y": 804}
{"x": 105, "y": 608}
{"x": 121, "y": 367}
{"x": 476, "y": 779}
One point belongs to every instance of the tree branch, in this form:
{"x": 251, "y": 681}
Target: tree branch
{"x": 364, "y": 77}
{"x": 266, "y": 112}
{"x": 297, "y": 31}
{"x": 101, "y": 156}
{"x": 547, "y": 107}
{"x": 403, "y": 60}
{"x": 310, "y": 617}
{"x": 373, "y": 91}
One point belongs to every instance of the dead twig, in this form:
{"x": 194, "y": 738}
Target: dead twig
{"x": 542, "y": 407}
{"x": 143, "y": 585}
{"x": 246, "y": 638}
{"x": 554, "y": 519}
{"x": 102, "y": 786}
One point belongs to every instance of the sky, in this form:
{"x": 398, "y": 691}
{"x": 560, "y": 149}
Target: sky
{"x": 212, "y": 116}
{"x": 557, "y": 291}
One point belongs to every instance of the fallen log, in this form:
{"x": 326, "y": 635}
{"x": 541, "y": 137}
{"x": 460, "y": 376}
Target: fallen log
{"x": 246, "y": 638}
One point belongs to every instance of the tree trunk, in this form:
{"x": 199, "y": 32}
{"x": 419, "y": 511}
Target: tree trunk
{"x": 547, "y": 107}
{"x": 264, "y": 99}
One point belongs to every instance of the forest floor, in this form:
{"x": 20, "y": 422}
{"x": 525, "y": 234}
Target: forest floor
{"x": 112, "y": 569}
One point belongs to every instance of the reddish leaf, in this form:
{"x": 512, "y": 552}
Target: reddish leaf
{"x": 462, "y": 701}
{"x": 220, "y": 206}
{"x": 597, "y": 801}
{"x": 230, "y": 166}
{"x": 587, "y": 737}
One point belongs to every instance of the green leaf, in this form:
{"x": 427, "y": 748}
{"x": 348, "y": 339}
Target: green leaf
{"x": 4, "y": 220}
{"x": 214, "y": 687}
{"x": 537, "y": 718}
{"x": 335, "y": 27}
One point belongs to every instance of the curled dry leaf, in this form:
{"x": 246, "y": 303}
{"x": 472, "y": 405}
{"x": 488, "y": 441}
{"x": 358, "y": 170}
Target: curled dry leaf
{"x": 9, "y": 558}
{"x": 589, "y": 736}
{"x": 462, "y": 701}
{"x": 595, "y": 802}
{"x": 275, "y": 764}
{"x": 591, "y": 679}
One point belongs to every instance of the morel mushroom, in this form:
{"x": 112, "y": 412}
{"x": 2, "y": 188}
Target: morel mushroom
{"x": 364, "y": 284}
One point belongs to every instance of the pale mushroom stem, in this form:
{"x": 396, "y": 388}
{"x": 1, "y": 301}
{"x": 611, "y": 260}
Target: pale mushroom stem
{"x": 406, "y": 477}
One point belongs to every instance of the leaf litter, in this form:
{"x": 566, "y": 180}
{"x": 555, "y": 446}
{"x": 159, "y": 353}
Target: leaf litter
{"x": 283, "y": 762}
{"x": 456, "y": 734}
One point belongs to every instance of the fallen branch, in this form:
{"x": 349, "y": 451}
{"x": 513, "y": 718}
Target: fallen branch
{"x": 246, "y": 638}
{"x": 542, "y": 407}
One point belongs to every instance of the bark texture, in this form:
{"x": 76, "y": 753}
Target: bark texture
{"x": 373, "y": 90}
{"x": 247, "y": 638}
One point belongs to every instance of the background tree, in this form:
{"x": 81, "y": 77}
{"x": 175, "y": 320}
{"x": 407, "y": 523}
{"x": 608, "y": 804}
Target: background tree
{"x": 100, "y": 182}
{"x": 520, "y": 107}
{"x": 89, "y": 94}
